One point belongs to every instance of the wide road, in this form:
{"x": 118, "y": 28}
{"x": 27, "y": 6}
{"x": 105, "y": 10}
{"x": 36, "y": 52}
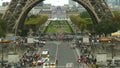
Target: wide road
{"x": 62, "y": 51}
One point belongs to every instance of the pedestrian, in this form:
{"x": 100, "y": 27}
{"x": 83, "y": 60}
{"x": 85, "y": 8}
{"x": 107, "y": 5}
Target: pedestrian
{"x": 79, "y": 59}
{"x": 56, "y": 60}
{"x": 95, "y": 60}
{"x": 23, "y": 64}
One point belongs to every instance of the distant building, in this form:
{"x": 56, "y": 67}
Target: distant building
{"x": 72, "y": 3}
{"x": 66, "y": 7}
{"x": 117, "y": 2}
{"x": 40, "y": 4}
{"x": 5, "y": 4}
{"x": 114, "y": 2}
{"x": 41, "y": 9}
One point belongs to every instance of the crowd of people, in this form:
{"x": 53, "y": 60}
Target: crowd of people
{"x": 87, "y": 56}
{"x": 27, "y": 59}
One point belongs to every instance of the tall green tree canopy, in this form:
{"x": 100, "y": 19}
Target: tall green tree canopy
{"x": 1, "y": 15}
{"x": 2, "y": 28}
{"x": 105, "y": 27}
{"x": 83, "y": 21}
{"x": 33, "y": 22}
{"x": 85, "y": 14}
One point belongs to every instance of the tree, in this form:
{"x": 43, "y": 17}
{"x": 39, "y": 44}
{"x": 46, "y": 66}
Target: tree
{"x": 82, "y": 23}
{"x": 1, "y": 15}
{"x": 90, "y": 25}
{"x": 33, "y": 22}
{"x": 116, "y": 21}
{"x": 3, "y": 26}
{"x": 105, "y": 27}
{"x": 84, "y": 14}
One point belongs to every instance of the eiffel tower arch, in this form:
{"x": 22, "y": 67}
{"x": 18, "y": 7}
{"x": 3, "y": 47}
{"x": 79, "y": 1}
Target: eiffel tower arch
{"x": 18, "y": 9}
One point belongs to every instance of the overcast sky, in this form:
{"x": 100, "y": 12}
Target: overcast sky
{"x": 53, "y": 2}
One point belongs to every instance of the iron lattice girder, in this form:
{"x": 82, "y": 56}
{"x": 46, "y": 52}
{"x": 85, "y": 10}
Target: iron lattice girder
{"x": 88, "y": 6}
{"x": 12, "y": 13}
{"x": 101, "y": 8}
{"x": 9, "y": 14}
{"x": 28, "y": 6}
{"x": 18, "y": 10}
{"x": 98, "y": 7}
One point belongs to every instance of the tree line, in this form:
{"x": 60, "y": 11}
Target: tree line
{"x": 33, "y": 22}
{"x": 85, "y": 23}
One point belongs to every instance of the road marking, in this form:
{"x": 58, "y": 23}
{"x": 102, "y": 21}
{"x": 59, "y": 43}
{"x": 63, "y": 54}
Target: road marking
{"x": 57, "y": 51}
{"x": 75, "y": 53}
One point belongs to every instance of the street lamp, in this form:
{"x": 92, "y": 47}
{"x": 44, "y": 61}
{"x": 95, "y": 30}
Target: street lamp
{"x": 3, "y": 46}
{"x": 113, "y": 61}
{"x": 112, "y": 50}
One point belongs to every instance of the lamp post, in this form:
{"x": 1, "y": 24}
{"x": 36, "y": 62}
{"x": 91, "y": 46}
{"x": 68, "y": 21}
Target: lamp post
{"x": 93, "y": 49}
{"x": 3, "y": 46}
{"x": 113, "y": 61}
{"x": 112, "y": 50}
{"x": 2, "y": 57}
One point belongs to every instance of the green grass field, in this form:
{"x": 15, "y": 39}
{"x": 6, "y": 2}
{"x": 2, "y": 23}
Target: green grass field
{"x": 58, "y": 27}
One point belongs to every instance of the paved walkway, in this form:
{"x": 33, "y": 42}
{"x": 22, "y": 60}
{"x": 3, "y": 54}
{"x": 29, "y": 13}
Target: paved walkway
{"x": 43, "y": 26}
{"x": 11, "y": 49}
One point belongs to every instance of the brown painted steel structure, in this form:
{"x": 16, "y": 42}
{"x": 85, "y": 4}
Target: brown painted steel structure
{"x": 18, "y": 10}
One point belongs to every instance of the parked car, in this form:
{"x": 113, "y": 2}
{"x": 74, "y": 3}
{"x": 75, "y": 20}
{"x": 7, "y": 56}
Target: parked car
{"x": 34, "y": 63}
{"x": 46, "y": 65}
{"x": 52, "y": 65}
{"x": 42, "y": 42}
{"x": 40, "y": 62}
